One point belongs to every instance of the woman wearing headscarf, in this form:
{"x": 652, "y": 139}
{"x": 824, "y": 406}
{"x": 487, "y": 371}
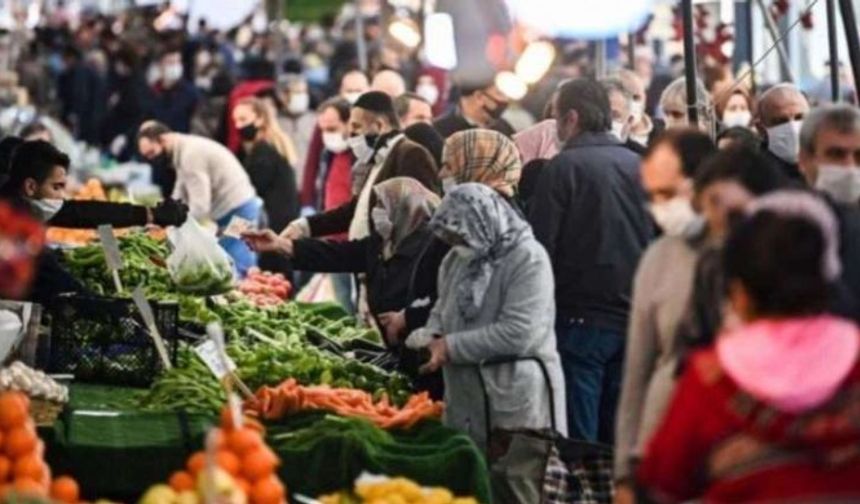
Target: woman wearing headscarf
{"x": 401, "y": 259}
{"x": 483, "y": 156}
{"x": 495, "y": 300}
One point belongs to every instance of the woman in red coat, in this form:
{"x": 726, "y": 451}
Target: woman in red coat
{"x": 771, "y": 413}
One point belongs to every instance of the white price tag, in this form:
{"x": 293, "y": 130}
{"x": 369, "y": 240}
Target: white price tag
{"x": 208, "y": 353}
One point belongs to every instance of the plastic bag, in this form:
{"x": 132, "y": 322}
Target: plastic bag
{"x": 198, "y": 265}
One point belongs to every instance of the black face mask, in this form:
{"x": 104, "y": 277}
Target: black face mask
{"x": 498, "y": 109}
{"x": 371, "y": 140}
{"x": 249, "y": 132}
{"x": 162, "y": 161}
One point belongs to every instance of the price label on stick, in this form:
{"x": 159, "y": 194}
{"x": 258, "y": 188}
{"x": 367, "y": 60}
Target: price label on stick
{"x": 216, "y": 334}
{"x": 113, "y": 258}
{"x": 149, "y": 319}
{"x": 209, "y": 354}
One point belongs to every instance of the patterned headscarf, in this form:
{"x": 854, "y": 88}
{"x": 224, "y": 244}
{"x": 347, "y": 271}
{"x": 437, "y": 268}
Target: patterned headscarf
{"x": 480, "y": 218}
{"x": 402, "y": 206}
{"x": 484, "y": 156}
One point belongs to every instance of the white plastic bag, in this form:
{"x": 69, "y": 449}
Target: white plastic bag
{"x": 198, "y": 264}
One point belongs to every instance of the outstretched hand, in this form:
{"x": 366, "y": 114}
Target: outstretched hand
{"x": 266, "y": 240}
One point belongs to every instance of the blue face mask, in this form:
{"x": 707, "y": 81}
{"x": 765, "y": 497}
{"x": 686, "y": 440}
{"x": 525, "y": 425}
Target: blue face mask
{"x": 317, "y": 75}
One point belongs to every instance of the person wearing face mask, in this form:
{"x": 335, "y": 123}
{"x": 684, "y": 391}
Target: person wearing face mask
{"x": 779, "y": 115}
{"x": 673, "y": 103}
{"x": 643, "y": 129}
{"x": 412, "y": 109}
{"x": 382, "y": 152}
{"x": 735, "y": 109}
{"x": 352, "y": 85}
{"x": 174, "y": 99}
{"x": 427, "y": 89}
{"x": 295, "y": 117}
{"x": 401, "y": 259}
{"x": 589, "y": 211}
{"x": 270, "y": 172}
{"x": 621, "y": 104}
{"x": 477, "y": 107}
{"x": 495, "y": 300}
{"x": 209, "y": 179}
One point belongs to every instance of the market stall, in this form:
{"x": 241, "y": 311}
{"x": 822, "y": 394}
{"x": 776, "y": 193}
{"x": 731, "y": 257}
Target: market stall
{"x": 145, "y": 388}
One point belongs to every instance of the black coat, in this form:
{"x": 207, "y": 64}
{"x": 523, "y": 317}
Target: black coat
{"x": 790, "y": 171}
{"x": 454, "y": 122}
{"x": 275, "y": 183}
{"x": 91, "y": 214}
{"x": 589, "y": 211}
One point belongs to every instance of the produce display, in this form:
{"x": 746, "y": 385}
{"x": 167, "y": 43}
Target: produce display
{"x": 36, "y": 384}
{"x": 243, "y": 470}
{"x": 93, "y": 190}
{"x": 263, "y": 288}
{"x": 23, "y": 471}
{"x": 274, "y": 403}
{"x": 381, "y": 490}
{"x": 197, "y": 264}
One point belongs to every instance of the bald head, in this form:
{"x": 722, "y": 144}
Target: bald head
{"x": 781, "y": 104}
{"x": 389, "y": 82}
{"x": 354, "y": 83}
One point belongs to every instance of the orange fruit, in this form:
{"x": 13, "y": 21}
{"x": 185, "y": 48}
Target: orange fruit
{"x": 5, "y": 469}
{"x": 228, "y": 461}
{"x": 30, "y": 467}
{"x": 259, "y": 463}
{"x": 65, "y": 489}
{"x": 243, "y": 485}
{"x": 20, "y": 441}
{"x": 2, "y": 438}
{"x": 13, "y": 410}
{"x": 244, "y": 440}
{"x": 27, "y": 486}
{"x": 267, "y": 491}
{"x": 181, "y": 481}
{"x": 196, "y": 463}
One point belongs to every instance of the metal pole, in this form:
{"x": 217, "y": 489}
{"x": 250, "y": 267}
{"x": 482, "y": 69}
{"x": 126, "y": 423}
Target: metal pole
{"x": 690, "y": 63}
{"x": 750, "y": 44}
{"x": 361, "y": 44}
{"x": 631, "y": 50}
{"x": 849, "y": 19}
{"x": 600, "y": 59}
{"x": 780, "y": 48}
{"x": 834, "y": 51}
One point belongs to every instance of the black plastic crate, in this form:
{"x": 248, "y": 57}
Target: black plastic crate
{"x": 104, "y": 340}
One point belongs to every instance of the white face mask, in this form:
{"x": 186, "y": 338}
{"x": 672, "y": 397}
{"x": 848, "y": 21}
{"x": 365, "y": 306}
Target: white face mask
{"x": 448, "y": 183}
{"x": 464, "y": 252}
{"x": 359, "y": 146}
{"x": 299, "y": 103}
{"x": 47, "y": 208}
{"x": 637, "y": 110}
{"x": 673, "y": 216}
{"x": 382, "y": 223}
{"x": 203, "y": 83}
{"x": 172, "y": 73}
{"x": 429, "y": 92}
{"x": 618, "y": 129}
{"x": 334, "y": 142}
{"x": 783, "y": 141}
{"x": 741, "y": 118}
{"x": 351, "y": 97}
{"x": 153, "y": 75}
{"x": 842, "y": 183}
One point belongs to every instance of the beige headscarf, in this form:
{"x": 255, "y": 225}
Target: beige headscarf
{"x": 403, "y": 205}
{"x": 483, "y": 156}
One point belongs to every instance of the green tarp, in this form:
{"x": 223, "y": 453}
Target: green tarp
{"x": 118, "y": 453}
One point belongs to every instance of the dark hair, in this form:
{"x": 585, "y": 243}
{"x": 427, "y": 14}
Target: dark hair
{"x": 742, "y": 164}
{"x": 530, "y": 177}
{"x": 340, "y": 105}
{"x": 590, "y": 101}
{"x": 740, "y": 136}
{"x": 402, "y": 102}
{"x": 36, "y": 160}
{"x": 34, "y": 128}
{"x": 778, "y": 260}
{"x": 426, "y": 136}
{"x": 152, "y": 130}
{"x": 7, "y": 150}
{"x": 691, "y": 145}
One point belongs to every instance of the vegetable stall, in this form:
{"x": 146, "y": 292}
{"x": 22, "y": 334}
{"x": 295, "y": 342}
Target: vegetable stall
{"x": 141, "y": 395}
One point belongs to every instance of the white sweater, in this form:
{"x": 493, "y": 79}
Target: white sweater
{"x": 209, "y": 178}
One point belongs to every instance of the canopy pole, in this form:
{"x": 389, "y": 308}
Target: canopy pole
{"x": 849, "y": 19}
{"x": 361, "y": 44}
{"x": 631, "y": 50}
{"x": 774, "y": 33}
{"x": 690, "y": 63}
{"x": 834, "y": 51}
{"x": 750, "y": 44}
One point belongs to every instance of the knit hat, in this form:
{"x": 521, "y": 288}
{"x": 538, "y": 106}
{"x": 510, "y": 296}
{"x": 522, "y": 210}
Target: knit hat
{"x": 375, "y": 101}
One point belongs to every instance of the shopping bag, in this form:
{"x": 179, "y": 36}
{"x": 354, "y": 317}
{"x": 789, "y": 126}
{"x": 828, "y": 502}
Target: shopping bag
{"x": 198, "y": 265}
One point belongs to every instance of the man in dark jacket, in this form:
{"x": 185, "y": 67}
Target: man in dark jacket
{"x": 780, "y": 113}
{"x": 382, "y": 153}
{"x": 589, "y": 211}
{"x": 174, "y": 98}
{"x": 477, "y": 107}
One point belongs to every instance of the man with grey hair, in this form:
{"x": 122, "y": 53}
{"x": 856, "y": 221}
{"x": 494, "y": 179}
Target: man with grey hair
{"x": 411, "y": 109}
{"x": 781, "y": 110}
{"x": 673, "y": 103}
{"x": 620, "y": 104}
{"x": 830, "y": 152}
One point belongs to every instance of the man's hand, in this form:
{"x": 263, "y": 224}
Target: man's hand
{"x": 267, "y": 241}
{"x": 394, "y": 324}
{"x": 438, "y": 356}
{"x": 296, "y": 230}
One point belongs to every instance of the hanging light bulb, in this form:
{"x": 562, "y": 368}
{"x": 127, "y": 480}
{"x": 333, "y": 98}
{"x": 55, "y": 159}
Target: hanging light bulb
{"x": 405, "y": 31}
{"x": 535, "y": 61}
{"x": 511, "y": 85}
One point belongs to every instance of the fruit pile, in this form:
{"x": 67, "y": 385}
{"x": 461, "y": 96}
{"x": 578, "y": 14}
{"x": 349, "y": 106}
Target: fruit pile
{"x": 264, "y": 288}
{"x": 381, "y": 490}
{"x": 23, "y": 471}
{"x": 244, "y": 468}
